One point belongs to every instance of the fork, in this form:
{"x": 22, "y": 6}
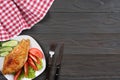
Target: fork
{"x": 50, "y": 59}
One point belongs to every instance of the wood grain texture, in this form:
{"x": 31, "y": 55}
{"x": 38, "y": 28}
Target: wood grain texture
{"x": 82, "y": 43}
{"x": 91, "y": 67}
{"x": 90, "y": 30}
{"x": 86, "y": 6}
{"x": 89, "y": 33}
{"x": 68, "y": 23}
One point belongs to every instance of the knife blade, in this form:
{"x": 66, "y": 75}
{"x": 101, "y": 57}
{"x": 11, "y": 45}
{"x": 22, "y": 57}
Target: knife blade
{"x": 58, "y": 62}
{"x": 50, "y": 59}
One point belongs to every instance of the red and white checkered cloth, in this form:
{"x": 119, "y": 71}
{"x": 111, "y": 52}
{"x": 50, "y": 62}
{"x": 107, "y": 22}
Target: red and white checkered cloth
{"x": 17, "y": 15}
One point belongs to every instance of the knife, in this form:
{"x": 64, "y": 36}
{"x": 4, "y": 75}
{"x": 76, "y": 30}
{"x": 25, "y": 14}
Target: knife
{"x": 50, "y": 59}
{"x": 58, "y": 62}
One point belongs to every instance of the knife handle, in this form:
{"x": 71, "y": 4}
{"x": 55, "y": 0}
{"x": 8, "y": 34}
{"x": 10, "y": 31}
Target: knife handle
{"x": 57, "y": 72}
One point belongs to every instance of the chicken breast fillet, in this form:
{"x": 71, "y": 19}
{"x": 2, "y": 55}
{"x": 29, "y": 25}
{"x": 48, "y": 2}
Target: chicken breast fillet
{"x": 16, "y": 58}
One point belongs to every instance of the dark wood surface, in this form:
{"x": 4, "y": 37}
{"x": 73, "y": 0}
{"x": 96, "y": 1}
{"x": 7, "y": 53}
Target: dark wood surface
{"x": 90, "y": 30}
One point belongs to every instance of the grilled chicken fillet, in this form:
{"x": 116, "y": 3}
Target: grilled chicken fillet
{"x": 15, "y": 60}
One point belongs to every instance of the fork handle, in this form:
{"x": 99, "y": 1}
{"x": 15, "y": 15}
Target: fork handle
{"x": 50, "y": 60}
{"x": 48, "y": 73}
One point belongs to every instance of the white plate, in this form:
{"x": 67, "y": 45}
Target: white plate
{"x": 33, "y": 44}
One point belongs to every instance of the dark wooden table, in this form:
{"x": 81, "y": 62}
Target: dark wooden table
{"x": 90, "y": 30}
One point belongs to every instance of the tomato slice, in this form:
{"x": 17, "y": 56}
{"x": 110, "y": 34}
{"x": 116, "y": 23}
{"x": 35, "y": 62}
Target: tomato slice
{"x": 36, "y": 52}
{"x": 32, "y": 64}
{"x": 34, "y": 58}
{"x": 26, "y": 69}
{"x": 17, "y": 74}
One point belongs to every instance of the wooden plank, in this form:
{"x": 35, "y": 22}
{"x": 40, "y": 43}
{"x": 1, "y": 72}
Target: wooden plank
{"x": 86, "y": 6}
{"x": 78, "y": 23}
{"x": 91, "y": 67}
{"x": 82, "y": 43}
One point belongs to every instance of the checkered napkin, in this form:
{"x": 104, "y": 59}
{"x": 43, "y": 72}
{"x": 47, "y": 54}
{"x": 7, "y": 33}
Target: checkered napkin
{"x": 17, "y": 15}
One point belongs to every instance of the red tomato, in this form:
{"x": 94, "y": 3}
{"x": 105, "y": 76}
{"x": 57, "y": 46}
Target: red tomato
{"x": 17, "y": 74}
{"x": 32, "y": 64}
{"x": 26, "y": 69}
{"x": 34, "y": 58}
{"x": 36, "y": 52}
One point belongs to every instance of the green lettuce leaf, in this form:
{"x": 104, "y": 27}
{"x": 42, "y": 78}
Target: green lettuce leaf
{"x": 39, "y": 66}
